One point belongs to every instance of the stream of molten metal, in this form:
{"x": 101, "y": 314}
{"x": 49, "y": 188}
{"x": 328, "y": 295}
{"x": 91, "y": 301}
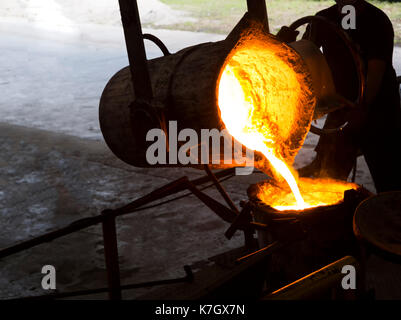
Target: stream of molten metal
{"x": 259, "y": 97}
{"x": 237, "y": 114}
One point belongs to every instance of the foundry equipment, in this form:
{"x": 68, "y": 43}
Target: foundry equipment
{"x": 193, "y": 88}
{"x": 265, "y": 93}
{"x": 186, "y": 86}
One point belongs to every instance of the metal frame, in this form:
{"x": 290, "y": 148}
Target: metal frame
{"x": 134, "y": 39}
{"x": 136, "y": 48}
{"x": 108, "y": 220}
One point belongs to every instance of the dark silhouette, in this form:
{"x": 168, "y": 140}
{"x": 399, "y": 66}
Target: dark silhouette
{"x": 374, "y": 128}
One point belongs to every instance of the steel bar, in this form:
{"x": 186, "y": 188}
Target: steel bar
{"x": 189, "y": 277}
{"x": 166, "y": 190}
{"x": 220, "y": 189}
{"x": 270, "y": 248}
{"x": 171, "y": 188}
{"x": 244, "y": 218}
{"x": 244, "y": 280}
{"x": 111, "y": 254}
{"x": 87, "y": 222}
{"x": 222, "y": 211}
{"x": 136, "y": 49}
{"x": 243, "y": 222}
{"x": 47, "y": 237}
{"x": 316, "y": 283}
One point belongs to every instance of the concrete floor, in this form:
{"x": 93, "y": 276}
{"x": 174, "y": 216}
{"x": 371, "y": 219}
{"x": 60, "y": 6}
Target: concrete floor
{"x": 49, "y": 180}
{"x": 54, "y": 81}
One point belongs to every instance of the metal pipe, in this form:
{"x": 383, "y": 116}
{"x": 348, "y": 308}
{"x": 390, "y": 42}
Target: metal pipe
{"x": 157, "y": 42}
{"x": 220, "y": 189}
{"x": 136, "y": 49}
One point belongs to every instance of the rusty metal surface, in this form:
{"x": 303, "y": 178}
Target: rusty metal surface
{"x": 257, "y": 10}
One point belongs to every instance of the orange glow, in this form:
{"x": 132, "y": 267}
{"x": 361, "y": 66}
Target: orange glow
{"x": 316, "y": 192}
{"x": 266, "y": 103}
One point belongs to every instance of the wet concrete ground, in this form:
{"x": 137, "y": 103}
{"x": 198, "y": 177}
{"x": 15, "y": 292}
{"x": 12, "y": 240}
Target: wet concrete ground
{"x": 49, "y": 180}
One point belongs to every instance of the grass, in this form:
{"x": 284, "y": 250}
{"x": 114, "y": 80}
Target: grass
{"x": 220, "y": 16}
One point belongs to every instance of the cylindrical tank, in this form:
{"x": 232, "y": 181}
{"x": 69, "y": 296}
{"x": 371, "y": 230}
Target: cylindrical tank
{"x": 185, "y": 86}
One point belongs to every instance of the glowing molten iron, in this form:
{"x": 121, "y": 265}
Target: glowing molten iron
{"x": 315, "y": 192}
{"x": 266, "y": 103}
